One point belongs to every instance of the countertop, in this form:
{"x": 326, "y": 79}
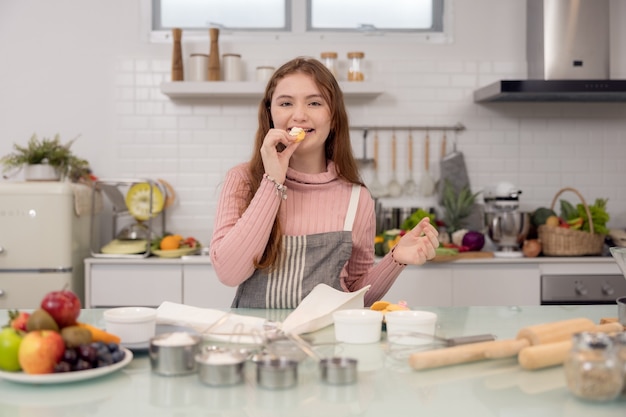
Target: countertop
{"x": 386, "y": 384}
{"x": 204, "y": 259}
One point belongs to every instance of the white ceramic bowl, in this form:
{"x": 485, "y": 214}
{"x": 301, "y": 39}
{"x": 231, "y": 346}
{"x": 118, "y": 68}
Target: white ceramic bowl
{"x": 132, "y": 324}
{"x": 358, "y": 326}
{"x": 410, "y": 327}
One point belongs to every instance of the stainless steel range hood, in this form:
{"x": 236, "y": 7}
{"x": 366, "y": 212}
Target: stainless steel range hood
{"x": 568, "y": 56}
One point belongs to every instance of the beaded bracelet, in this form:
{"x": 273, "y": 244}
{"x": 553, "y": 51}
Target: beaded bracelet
{"x": 281, "y": 189}
{"x": 394, "y": 259}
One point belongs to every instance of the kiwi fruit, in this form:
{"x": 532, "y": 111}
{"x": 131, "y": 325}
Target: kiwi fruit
{"x": 74, "y": 336}
{"x": 40, "y": 319}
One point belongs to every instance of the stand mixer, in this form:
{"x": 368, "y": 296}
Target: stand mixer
{"x": 507, "y": 226}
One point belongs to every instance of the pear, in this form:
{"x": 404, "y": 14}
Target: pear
{"x": 40, "y": 319}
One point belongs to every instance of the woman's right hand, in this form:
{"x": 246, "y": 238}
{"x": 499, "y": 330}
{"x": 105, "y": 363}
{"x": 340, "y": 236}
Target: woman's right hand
{"x": 275, "y": 162}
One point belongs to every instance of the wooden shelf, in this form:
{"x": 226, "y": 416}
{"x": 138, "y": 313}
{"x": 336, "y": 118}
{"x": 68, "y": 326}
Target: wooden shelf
{"x": 251, "y": 89}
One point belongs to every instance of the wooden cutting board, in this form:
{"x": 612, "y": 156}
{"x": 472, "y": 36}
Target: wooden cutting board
{"x": 462, "y": 255}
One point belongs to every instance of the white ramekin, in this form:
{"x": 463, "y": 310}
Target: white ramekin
{"x": 358, "y": 326}
{"x": 131, "y": 324}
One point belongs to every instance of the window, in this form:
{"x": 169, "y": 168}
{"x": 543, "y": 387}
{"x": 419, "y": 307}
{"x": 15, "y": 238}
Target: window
{"x": 390, "y": 15}
{"x": 202, "y": 14}
{"x": 299, "y": 17}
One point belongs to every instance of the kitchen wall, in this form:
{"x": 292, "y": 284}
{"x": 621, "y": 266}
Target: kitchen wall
{"x": 86, "y": 68}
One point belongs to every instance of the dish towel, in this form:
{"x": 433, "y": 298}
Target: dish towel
{"x": 314, "y": 312}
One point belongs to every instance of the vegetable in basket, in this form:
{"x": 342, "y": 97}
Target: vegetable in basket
{"x": 576, "y": 217}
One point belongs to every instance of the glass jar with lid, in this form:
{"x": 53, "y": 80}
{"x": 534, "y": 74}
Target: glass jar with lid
{"x": 620, "y": 344}
{"x": 330, "y": 61}
{"x": 592, "y": 369}
{"x": 355, "y": 71}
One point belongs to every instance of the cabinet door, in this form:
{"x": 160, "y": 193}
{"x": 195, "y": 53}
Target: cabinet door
{"x": 134, "y": 285}
{"x": 422, "y": 286}
{"x": 25, "y": 291}
{"x": 495, "y": 285}
{"x": 201, "y": 288}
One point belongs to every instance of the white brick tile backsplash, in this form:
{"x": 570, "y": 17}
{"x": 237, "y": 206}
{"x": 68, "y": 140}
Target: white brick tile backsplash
{"x": 124, "y": 79}
{"x": 164, "y": 122}
{"x": 133, "y": 122}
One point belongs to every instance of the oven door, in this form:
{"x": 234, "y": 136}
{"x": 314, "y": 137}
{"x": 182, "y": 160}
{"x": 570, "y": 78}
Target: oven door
{"x": 581, "y": 289}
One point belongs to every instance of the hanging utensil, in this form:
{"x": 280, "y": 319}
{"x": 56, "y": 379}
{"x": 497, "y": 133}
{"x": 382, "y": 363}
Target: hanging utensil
{"x": 453, "y": 170}
{"x": 427, "y": 185}
{"x": 365, "y": 161}
{"x": 410, "y": 186}
{"x": 394, "y": 188}
{"x": 377, "y": 189}
{"x": 444, "y": 150}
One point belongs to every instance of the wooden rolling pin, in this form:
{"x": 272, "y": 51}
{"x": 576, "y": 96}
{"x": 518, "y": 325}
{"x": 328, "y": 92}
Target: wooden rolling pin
{"x": 538, "y": 335}
{"x": 531, "y": 335}
{"x": 551, "y": 354}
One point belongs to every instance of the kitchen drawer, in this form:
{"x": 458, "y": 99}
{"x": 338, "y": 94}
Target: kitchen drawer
{"x": 201, "y": 288}
{"x": 111, "y": 285}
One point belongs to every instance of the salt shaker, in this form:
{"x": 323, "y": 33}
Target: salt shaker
{"x": 355, "y": 72}
{"x": 592, "y": 368}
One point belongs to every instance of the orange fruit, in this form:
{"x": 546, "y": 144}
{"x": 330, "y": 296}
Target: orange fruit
{"x": 170, "y": 242}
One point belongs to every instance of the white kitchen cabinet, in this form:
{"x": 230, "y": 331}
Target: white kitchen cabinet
{"x": 112, "y": 282}
{"x": 422, "y": 286}
{"x": 492, "y": 285}
{"x": 132, "y": 284}
{"x": 192, "y": 281}
{"x": 201, "y": 288}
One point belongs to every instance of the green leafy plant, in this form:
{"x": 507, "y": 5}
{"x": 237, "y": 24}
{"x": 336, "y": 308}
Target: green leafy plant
{"x": 47, "y": 151}
{"x": 457, "y": 206}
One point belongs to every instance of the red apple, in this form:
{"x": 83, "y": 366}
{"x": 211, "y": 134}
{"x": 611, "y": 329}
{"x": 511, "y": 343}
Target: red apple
{"x": 40, "y": 350}
{"x": 63, "y": 306}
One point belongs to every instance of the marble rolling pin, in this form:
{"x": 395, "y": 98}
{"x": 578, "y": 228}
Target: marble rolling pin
{"x": 551, "y": 354}
{"x": 528, "y": 336}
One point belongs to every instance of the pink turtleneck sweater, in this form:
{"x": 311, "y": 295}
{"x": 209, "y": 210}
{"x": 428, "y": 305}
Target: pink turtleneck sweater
{"x": 315, "y": 203}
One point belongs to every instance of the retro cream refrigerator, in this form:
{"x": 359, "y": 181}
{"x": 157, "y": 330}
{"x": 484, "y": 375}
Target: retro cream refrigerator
{"x": 44, "y": 238}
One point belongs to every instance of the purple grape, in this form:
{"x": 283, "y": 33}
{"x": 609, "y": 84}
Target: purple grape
{"x": 87, "y": 353}
{"x": 117, "y": 356}
{"x": 82, "y": 365}
{"x": 62, "y": 366}
{"x": 70, "y": 356}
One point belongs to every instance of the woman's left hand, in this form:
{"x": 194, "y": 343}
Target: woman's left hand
{"x": 418, "y": 245}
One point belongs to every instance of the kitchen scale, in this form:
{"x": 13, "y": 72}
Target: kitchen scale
{"x": 143, "y": 201}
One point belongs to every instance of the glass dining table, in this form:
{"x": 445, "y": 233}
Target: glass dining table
{"x": 385, "y": 385}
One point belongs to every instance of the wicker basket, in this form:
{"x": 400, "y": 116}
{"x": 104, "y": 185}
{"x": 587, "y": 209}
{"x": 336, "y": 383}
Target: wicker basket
{"x": 560, "y": 241}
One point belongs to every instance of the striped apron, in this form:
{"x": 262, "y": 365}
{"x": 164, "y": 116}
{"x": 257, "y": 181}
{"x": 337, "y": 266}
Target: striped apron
{"x": 305, "y": 261}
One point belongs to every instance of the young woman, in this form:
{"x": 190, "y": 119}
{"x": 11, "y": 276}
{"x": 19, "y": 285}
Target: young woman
{"x": 298, "y": 214}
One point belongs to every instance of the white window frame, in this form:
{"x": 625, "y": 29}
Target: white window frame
{"x": 301, "y": 32}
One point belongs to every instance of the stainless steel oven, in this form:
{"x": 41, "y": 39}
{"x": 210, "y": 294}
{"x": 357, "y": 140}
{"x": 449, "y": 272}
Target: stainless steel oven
{"x": 563, "y": 289}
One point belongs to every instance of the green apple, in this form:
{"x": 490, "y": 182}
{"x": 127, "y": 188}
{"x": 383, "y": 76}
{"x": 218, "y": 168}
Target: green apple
{"x": 10, "y": 341}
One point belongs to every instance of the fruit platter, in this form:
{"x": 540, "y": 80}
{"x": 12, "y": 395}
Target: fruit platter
{"x": 174, "y": 246}
{"x": 49, "y": 345}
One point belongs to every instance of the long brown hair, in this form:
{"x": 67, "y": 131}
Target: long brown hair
{"x": 337, "y": 145}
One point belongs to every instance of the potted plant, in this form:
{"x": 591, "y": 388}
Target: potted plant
{"x": 46, "y": 159}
